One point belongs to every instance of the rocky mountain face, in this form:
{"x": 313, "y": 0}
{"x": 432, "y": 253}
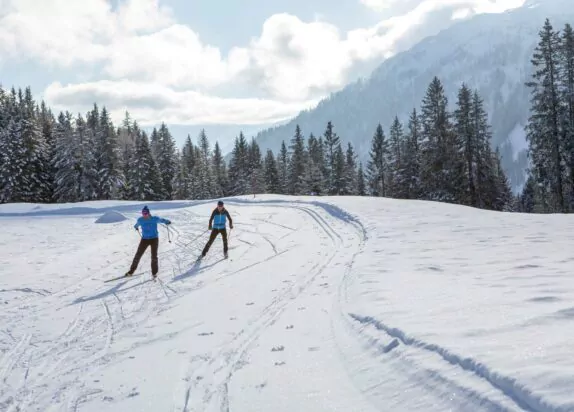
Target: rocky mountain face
{"x": 489, "y": 52}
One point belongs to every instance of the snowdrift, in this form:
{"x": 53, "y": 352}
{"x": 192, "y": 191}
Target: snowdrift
{"x": 111, "y": 217}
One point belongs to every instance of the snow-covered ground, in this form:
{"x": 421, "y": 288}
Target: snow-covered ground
{"x": 326, "y": 304}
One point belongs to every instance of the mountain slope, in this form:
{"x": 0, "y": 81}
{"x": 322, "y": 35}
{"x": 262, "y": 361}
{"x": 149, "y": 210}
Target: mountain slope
{"x": 490, "y": 52}
{"x": 320, "y": 307}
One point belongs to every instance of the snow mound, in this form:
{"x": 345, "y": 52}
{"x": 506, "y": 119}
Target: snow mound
{"x": 111, "y": 217}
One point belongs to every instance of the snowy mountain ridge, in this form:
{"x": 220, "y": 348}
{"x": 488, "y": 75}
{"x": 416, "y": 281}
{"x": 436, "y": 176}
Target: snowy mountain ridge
{"x": 490, "y": 52}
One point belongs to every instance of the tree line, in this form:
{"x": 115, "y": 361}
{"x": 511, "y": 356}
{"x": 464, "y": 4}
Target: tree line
{"x": 439, "y": 156}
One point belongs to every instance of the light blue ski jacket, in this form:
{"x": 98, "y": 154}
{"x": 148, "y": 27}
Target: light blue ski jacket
{"x": 149, "y": 226}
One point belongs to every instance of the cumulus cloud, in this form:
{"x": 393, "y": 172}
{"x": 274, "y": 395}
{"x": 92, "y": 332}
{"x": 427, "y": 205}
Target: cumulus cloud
{"x": 151, "y": 103}
{"x": 172, "y": 71}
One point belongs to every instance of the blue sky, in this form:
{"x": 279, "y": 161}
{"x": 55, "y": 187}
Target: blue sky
{"x": 222, "y": 65}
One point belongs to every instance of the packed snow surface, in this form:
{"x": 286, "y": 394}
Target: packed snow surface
{"x": 325, "y": 304}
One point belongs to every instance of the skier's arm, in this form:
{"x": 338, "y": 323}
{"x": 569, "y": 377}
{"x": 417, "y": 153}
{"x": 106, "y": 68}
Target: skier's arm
{"x": 211, "y": 219}
{"x": 229, "y": 217}
{"x": 165, "y": 221}
{"x": 137, "y": 225}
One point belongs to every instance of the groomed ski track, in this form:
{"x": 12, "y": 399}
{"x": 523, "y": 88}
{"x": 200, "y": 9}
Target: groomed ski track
{"x": 271, "y": 328}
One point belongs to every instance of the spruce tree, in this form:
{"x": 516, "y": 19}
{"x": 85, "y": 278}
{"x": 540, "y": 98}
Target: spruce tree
{"x": 315, "y": 168}
{"x": 468, "y": 136}
{"x": 239, "y": 182}
{"x": 361, "y": 188}
{"x": 272, "y": 184}
{"x": 350, "y": 173}
{"x": 166, "y": 161}
{"x": 567, "y": 98}
{"x": 330, "y": 143}
{"x": 144, "y": 174}
{"x": 411, "y": 158}
{"x": 543, "y": 130}
{"x": 219, "y": 172}
{"x": 255, "y": 168}
{"x": 283, "y": 168}
{"x": 377, "y": 167}
{"x": 298, "y": 160}
{"x": 397, "y": 182}
{"x": 441, "y": 160}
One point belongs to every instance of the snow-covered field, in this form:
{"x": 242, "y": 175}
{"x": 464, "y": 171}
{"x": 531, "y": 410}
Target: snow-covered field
{"x": 326, "y": 304}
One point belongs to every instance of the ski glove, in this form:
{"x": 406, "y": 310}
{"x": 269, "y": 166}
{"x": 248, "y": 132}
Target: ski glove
{"x": 168, "y": 222}
{"x": 230, "y": 226}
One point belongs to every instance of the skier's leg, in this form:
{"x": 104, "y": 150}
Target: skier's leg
{"x": 209, "y": 242}
{"x": 139, "y": 253}
{"x": 224, "y": 236}
{"x": 154, "y": 265}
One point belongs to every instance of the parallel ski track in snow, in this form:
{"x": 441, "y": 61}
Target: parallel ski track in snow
{"x": 213, "y": 388}
{"x": 474, "y": 386}
{"x": 84, "y": 345}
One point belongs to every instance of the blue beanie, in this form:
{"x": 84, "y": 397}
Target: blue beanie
{"x": 220, "y": 203}
{"x": 145, "y": 209}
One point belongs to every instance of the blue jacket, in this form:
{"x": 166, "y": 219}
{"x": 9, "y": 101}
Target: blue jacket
{"x": 218, "y": 221}
{"x": 149, "y": 226}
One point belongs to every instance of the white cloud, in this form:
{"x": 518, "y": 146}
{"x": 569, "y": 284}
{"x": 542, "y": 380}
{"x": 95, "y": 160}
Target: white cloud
{"x": 152, "y": 103}
{"x": 379, "y": 5}
{"x": 291, "y": 62}
{"x": 479, "y": 6}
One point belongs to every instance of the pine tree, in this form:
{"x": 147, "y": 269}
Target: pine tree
{"x": 330, "y": 143}
{"x": 315, "y": 168}
{"x": 543, "y": 130}
{"x": 106, "y": 149}
{"x": 441, "y": 160}
{"x": 239, "y": 182}
{"x": 485, "y": 169}
{"x": 361, "y": 188}
{"x": 255, "y": 168}
{"x": 144, "y": 174}
{"x": 13, "y": 155}
{"x": 36, "y": 171}
{"x": 272, "y": 184}
{"x": 47, "y": 124}
{"x": 411, "y": 158}
{"x": 377, "y": 167}
{"x": 504, "y": 197}
{"x": 283, "y": 168}
{"x": 298, "y": 160}
{"x": 527, "y": 200}
{"x": 219, "y": 172}
{"x": 184, "y": 188}
{"x": 468, "y": 136}
{"x": 166, "y": 161}
{"x": 338, "y": 171}
{"x": 350, "y": 173}
{"x": 567, "y": 97}
{"x": 396, "y": 180}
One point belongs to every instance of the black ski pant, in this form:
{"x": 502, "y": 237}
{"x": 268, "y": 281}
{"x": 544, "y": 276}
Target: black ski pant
{"x": 144, "y": 243}
{"x": 214, "y": 234}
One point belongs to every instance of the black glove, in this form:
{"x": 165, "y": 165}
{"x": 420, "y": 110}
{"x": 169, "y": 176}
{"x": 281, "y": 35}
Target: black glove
{"x": 168, "y": 222}
{"x": 230, "y": 226}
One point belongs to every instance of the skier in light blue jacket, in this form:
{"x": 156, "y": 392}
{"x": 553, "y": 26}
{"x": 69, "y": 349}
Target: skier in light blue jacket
{"x": 149, "y": 237}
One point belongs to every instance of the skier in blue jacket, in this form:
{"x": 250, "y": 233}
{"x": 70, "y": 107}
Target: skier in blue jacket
{"x": 149, "y": 237}
{"x": 217, "y": 223}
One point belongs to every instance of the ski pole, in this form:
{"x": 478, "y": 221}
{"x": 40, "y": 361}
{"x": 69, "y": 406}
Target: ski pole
{"x": 168, "y": 234}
